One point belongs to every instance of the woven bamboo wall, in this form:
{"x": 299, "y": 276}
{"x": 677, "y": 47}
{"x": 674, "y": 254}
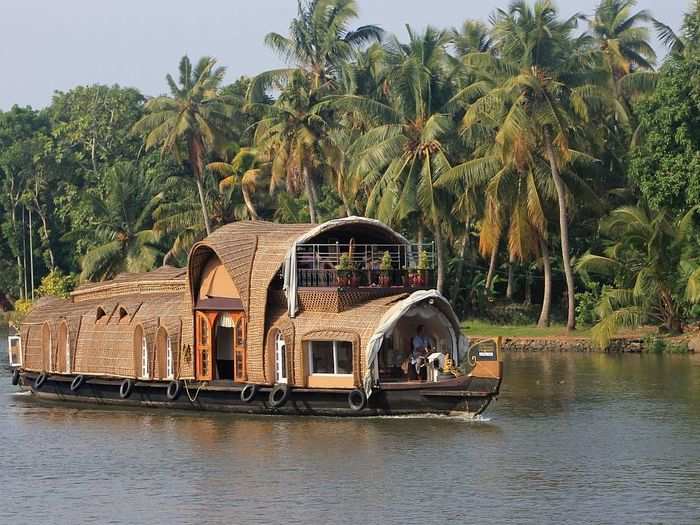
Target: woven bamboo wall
{"x": 356, "y": 325}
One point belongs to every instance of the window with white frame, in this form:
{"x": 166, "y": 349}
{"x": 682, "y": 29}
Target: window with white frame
{"x": 330, "y": 357}
{"x": 144, "y": 358}
{"x": 169, "y": 372}
{"x": 15, "y": 350}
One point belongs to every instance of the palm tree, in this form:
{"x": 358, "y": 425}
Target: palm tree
{"x": 404, "y": 155}
{"x": 621, "y": 38}
{"x": 190, "y": 120}
{"x": 627, "y": 56}
{"x": 244, "y": 170}
{"x": 540, "y": 93}
{"x": 472, "y": 37}
{"x": 293, "y": 132}
{"x": 653, "y": 261}
{"x": 318, "y": 44}
{"x": 123, "y": 227}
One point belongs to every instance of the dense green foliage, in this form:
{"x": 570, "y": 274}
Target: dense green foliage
{"x": 504, "y": 143}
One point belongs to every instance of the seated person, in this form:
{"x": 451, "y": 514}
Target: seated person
{"x": 421, "y": 347}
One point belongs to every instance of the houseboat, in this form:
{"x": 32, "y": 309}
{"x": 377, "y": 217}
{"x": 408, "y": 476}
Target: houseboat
{"x": 266, "y": 318}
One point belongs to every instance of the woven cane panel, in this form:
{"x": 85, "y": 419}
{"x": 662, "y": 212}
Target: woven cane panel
{"x": 340, "y": 299}
{"x": 31, "y": 346}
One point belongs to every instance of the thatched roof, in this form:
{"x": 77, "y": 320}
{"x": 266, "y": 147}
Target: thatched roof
{"x": 166, "y": 279}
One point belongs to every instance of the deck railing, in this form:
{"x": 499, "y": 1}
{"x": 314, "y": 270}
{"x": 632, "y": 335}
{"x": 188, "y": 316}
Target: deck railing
{"x": 317, "y": 265}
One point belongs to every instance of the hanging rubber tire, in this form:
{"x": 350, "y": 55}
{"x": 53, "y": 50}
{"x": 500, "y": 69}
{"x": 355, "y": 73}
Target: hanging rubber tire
{"x": 15, "y": 377}
{"x": 249, "y": 392}
{"x": 126, "y": 388}
{"x": 77, "y": 383}
{"x": 279, "y": 395}
{"x": 40, "y": 380}
{"x": 174, "y": 390}
{"x": 357, "y": 400}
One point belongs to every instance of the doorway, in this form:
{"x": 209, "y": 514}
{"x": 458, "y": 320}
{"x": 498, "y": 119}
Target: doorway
{"x": 221, "y": 346}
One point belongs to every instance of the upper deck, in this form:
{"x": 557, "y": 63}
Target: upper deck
{"x": 362, "y": 265}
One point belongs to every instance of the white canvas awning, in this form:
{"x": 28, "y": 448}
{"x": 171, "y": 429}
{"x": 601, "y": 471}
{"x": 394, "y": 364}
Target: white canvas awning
{"x": 424, "y": 299}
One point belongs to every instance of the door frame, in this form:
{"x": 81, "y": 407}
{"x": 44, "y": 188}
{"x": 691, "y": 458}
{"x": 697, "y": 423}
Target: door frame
{"x": 205, "y": 350}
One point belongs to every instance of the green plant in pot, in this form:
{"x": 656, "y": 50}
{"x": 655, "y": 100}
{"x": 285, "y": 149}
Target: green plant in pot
{"x": 344, "y": 270}
{"x": 385, "y": 268}
{"x": 421, "y": 276}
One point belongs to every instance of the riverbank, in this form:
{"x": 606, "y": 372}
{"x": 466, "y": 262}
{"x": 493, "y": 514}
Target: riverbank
{"x": 555, "y": 338}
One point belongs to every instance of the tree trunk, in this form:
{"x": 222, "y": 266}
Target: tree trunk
{"x": 492, "y": 268}
{"x": 45, "y": 227}
{"x": 563, "y": 231}
{"x": 528, "y": 286}
{"x": 311, "y": 195}
{"x": 197, "y": 161}
{"x": 440, "y": 256}
{"x": 460, "y": 269}
{"x": 511, "y": 278}
{"x": 249, "y": 203}
{"x": 31, "y": 253}
{"x": 547, "y": 294}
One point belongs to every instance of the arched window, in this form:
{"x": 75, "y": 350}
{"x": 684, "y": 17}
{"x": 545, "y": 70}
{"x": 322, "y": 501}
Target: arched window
{"x": 46, "y": 357}
{"x": 164, "y": 355}
{"x": 280, "y": 358}
{"x": 63, "y": 350}
{"x": 141, "y": 367}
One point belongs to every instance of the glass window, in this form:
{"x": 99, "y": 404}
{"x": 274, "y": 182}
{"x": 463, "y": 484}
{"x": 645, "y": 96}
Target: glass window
{"x": 322, "y": 357}
{"x": 330, "y": 357}
{"x": 15, "y": 350}
{"x": 203, "y": 330}
{"x": 343, "y": 357}
{"x": 240, "y": 333}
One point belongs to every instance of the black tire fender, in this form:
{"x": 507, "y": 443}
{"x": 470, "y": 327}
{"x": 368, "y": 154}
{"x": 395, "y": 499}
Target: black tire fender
{"x": 249, "y": 392}
{"x": 279, "y": 395}
{"x": 126, "y": 388}
{"x": 357, "y": 399}
{"x": 174, "y": 390}
{"x": 40, "y": 380}
{"x": 77, "y": 383}
{"x": 15, "y": 377}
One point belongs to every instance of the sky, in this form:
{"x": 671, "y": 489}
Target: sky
{"x": 49, "y": 45}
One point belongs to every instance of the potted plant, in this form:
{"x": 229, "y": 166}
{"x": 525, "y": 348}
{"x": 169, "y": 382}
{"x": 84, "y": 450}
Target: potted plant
{"x": 421, "y": 276}
{"x": 385, "y": 270}
{"x": 344, "y": 270}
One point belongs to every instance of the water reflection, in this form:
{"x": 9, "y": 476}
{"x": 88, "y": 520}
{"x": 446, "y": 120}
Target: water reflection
{"x": 572, "y": 439}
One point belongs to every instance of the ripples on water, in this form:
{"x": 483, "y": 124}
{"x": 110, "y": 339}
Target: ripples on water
{"x": 572, "y": 439}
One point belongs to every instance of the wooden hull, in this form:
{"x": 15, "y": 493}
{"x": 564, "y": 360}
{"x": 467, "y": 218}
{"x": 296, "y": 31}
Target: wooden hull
{"x": 466, "y": 395}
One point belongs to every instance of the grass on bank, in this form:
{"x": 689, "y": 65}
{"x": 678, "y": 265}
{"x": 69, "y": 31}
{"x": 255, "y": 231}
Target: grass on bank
{"x": 477, "y": 327}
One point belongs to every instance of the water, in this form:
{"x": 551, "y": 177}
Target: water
{"x": 572, "y": 439}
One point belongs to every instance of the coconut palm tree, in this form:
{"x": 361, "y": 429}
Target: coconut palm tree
{"x": 621, "y": 37}
{"x": 541, "y": 92}
{"x": 244, "y": 171}
{"x": 653, "y": 261}
{"x": 190, "y": 121}
{"x": 123, "y": 227}
{"x": 472, "y": 37}
{"x": 293, "y": 132}
{"x": 622, "y": 41}
{"x": 318, "y": 44}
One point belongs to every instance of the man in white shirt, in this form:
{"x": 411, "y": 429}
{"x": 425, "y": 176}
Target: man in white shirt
{"x": 420, "y": 348}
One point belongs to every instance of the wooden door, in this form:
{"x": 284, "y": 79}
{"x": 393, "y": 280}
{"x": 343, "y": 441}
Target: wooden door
{"x": 240, "y": 364}
{"x": 204, "y": 346}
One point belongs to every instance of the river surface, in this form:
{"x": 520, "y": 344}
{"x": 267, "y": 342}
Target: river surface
{"x": 573, "y": 438}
